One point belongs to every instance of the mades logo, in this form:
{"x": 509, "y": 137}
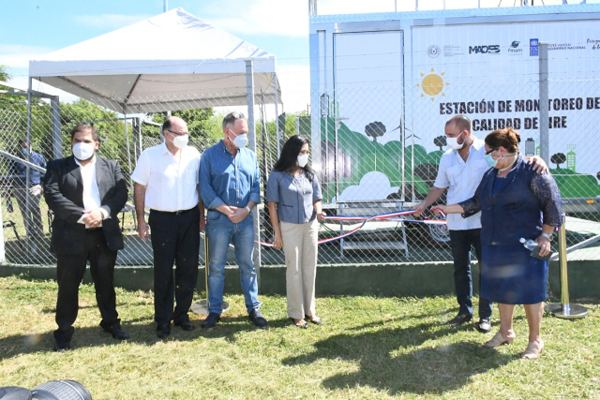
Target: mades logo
{"x": 490, "y": 49}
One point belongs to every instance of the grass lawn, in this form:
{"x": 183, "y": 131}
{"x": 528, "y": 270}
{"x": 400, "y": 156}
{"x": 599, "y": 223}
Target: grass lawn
{"x": 367, "y": 348}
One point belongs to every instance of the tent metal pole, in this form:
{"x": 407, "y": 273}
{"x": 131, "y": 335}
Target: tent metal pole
{"x": 57, "y": 142}
{"x": 27, "y": 219}
{"x": 133, "y": 120}
{"x": 277, "y": 116}
{"x": 252, "y": 137}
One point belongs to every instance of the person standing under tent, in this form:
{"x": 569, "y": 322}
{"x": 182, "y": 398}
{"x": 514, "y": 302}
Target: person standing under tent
{"x": 86, "y": 193}
{"x": 230, "y": 188}
{"x": 166, "y": 179}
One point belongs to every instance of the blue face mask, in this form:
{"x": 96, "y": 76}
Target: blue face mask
{"x": 25, "y": 151}
{"x": 491, "y": 162}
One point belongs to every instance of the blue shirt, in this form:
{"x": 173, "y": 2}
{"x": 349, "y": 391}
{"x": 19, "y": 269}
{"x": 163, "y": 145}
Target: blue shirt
{"x": 34, "y": 176}
{"x": 225, "y": 179}
{"x": 295, "y": 196}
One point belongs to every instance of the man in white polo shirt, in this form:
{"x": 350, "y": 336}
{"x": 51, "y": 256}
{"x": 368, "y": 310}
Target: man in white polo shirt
{"x": 460, "y": 171}
{"x": 166, "y": 181}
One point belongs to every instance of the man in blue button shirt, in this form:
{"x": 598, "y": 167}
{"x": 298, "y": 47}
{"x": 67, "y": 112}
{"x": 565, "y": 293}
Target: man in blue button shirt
{"x": 32, "y": 216}
{"x": 230, "y": 188}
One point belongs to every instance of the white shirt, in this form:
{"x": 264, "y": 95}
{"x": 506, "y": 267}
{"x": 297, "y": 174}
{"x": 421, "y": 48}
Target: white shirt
{"x": 171, "y": 181}
{"x": 91, "y": 194}
{"x": 462, "y": 179}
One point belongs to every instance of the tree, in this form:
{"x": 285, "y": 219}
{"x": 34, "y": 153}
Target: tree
{"x": 440, "y": 141}
{"x": 427, "y": 172}
{"x": 4, "y": 75}
{"x": 375, "y": 129}
{"x": 558, "y": 159}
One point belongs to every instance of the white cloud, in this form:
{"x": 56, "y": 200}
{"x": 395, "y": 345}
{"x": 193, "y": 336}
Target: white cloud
{"x": 110, "y": 21}
{"x": 259, "y": 17}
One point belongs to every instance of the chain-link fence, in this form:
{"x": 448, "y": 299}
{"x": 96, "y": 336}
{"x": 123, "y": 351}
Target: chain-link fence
{"x": 376, "y": 150}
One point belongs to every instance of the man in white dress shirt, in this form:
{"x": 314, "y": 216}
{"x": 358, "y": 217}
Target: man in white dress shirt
{"x": 460, "y": 171}
{"x": 166, "y": 181}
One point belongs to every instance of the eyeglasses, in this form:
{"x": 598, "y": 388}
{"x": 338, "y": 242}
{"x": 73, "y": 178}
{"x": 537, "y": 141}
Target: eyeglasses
{"x": 491, "y": 151}
{"x": 178, "y": 133}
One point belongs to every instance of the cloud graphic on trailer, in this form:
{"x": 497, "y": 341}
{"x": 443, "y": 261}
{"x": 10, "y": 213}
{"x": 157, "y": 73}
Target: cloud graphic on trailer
{"x": 373, "y": 185}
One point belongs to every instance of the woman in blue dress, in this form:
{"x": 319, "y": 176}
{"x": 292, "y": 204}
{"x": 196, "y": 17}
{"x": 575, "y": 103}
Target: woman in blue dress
{"x": 294, "y": 202}
{"x": 515, "y": 202}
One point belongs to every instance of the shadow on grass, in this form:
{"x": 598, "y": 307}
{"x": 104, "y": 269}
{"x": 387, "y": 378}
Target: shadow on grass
{"x": 140, "y": 330}
{"x": 399, "y": 360}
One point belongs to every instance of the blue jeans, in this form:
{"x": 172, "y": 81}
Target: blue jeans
{"x": 221, "y": 232}
{"x": 461, "y": 242}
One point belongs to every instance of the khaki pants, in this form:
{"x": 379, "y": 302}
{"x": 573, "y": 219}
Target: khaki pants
{"x": 32, "y": 216}
{"x": 300, "y": 249}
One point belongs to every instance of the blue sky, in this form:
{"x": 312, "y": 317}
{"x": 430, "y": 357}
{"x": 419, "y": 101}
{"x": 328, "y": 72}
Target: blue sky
{"x": 32, "y": 28}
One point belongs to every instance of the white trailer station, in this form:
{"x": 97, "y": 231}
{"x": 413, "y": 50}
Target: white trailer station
{"x": 384, "y": 84}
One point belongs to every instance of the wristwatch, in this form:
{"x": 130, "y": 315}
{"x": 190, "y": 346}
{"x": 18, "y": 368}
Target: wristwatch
{"x": 547, "y": 235}
{"x": 248, "y": 209}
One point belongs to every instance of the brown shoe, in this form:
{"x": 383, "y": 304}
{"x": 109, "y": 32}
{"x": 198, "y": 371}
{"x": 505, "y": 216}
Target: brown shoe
{"x": 498, "y": 340}
{"x": 533, "y": 351}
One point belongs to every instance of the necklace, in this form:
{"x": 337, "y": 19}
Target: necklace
{"x": 500, "y": 170}
{"x": 301, "y": 179}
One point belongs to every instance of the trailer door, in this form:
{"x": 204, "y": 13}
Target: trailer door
{"x": 368, "y": 81}
{"x": 368, "y": 101}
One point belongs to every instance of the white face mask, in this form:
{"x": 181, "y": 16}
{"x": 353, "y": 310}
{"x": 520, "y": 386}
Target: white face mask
{"x": 240, "y": 141}
{"x": 302, "y": 160}
{"x": 83, "y": 151}
{"x": 452, "y": 142}
{"x": 180, "y": 141}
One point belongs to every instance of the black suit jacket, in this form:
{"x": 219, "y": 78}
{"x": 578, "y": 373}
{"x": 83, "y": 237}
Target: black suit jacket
{"x": 63, "y": 191}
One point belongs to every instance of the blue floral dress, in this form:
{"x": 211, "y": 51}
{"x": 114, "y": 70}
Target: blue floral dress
{"x": 512, "y": 207}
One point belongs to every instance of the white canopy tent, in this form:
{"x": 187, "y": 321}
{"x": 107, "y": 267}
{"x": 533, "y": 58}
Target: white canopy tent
{"x": 169, "y": 62}
{"x": 173, "y": 61}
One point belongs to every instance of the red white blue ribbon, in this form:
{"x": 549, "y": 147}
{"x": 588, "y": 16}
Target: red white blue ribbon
{"x": 391, "y": 217}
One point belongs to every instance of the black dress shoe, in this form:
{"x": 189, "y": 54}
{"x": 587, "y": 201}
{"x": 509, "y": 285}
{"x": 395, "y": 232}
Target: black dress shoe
{"x": 185, "y": 325}
{"x": 459, "y": 320}
{"x": 117, "y": 332}
{"x": 484, "y": 325}
{"x": 256, "y": 317}
{"x": 211, "y": 320}
{"x": 61, "y": 347}
{"x": 163, "y": 331}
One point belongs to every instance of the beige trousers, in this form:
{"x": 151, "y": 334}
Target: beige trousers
{"x": 300, "y": 249}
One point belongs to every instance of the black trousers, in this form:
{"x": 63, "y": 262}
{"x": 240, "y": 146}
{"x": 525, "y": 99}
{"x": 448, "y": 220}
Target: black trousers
{"x": 175, "y": 238}
{"x": 70, "y": 269}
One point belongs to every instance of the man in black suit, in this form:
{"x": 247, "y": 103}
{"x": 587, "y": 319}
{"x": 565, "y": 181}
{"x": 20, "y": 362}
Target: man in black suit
{"x": 86, "y": 193}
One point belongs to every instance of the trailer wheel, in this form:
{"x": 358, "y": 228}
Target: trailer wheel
{"x": 439, "y": 233}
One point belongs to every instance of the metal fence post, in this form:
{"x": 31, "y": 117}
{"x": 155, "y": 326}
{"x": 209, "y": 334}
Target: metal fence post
{"x": 543, "y": 83}
{"x": 564, "y": 309}
{"x": 252, "y": 137}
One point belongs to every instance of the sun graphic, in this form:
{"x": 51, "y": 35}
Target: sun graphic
{"x": 432, "y": 84}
